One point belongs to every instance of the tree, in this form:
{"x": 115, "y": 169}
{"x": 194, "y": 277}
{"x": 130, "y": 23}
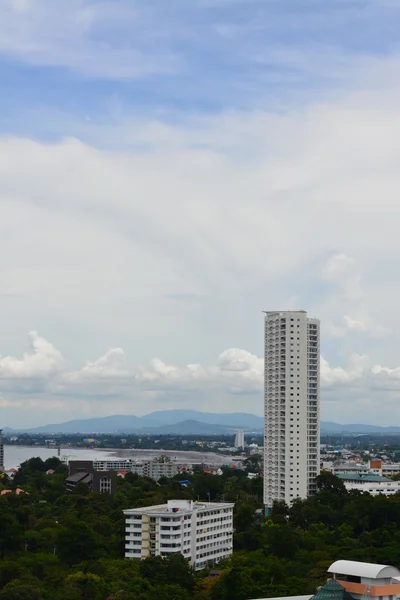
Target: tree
{"x": 178, "y": 572}
{"x": 11, "y": 532}
{"x": 328, "y": 482}
{"x": 20, "y": 592}
{"x": 244, "y": 517}
{"x": 173, "y": 569}
{"x": 280, "y": 512}
{"x": 89, "y": 585}
{"x": 77, "y": 542}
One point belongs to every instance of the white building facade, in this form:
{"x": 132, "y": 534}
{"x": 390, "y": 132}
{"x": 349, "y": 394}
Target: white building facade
{"x": 1, "y": 452}
{"x": 371, "y": 483}
{"x": 201, "y": 531}
{"x": 291, "y": 406}
{"x": 239, "y": 438}
{"x": 155, "y": 469}
{"x": 367, "y": 580}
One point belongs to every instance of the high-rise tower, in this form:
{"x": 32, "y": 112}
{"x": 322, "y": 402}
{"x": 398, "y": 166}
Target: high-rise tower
{"x": 291, "y": 406}
{"x": 1, "y": 452}
{"x": 239, "y": 438}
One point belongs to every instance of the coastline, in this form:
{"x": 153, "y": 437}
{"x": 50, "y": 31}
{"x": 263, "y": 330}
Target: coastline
{"x": 15, "y": 454}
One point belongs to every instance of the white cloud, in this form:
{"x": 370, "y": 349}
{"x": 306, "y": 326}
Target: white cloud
{"x": 234, "y": 381}
{"x": 353, "y": 324}
{"x": 42, "y": 362}
{"x": 341, "y": 270}
{"x": 355, "y": 370}
{"x": 20, "y": 5}
{"x": 100, "y": 40}
{"x": 378, "y": 369}
{"x": 238, "y": 210}
{"x": 346, "y": 295}
{"x": 112, "y": 364}
{"x": 236, "y": 370}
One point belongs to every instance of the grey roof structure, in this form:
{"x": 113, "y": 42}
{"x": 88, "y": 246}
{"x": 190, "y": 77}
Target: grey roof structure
{"x": 370, "y": 477}
{"x": 363, "y": 569}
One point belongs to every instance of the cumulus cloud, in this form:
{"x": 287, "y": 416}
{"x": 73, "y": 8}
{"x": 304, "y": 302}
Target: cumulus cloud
{"x": 346, "y": 294}
{"x": 378, "y": 369}
{"x": 235, "y": 369}
{"x": 235, "y": 377}
{"x": 341, "y": 270}
{"x": 112, "y": 364}
{"x": 355, "y": 370}
{"x": 242, "y": 211}
{"x": 353, "y": 324}
{"x": 42, "y": 362}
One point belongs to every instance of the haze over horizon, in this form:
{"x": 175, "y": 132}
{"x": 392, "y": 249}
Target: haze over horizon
{"x": 170, "y": 170}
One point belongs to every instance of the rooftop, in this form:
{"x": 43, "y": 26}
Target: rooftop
{"x": 370, "y": 477}
{"x": 78, "y": 477}
{"x": 363, "y": 569}
{"x": 350, "y": 465}
{"x": 308, "y": 597}
{"x": 179, "y": 506}
{"x": 280, "y": 312}
{"x": 332, "y": 590}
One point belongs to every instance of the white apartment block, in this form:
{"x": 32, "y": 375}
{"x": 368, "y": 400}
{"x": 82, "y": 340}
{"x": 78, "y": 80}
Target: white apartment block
{"x": 369, "y": 482}
{"x": 149, "y": 468}
{"x": 201, "y": 531}
{"x": 388, "y": 469}
{"x": 239, "y": 439}
{"x": 1, "y": 452}
{"x": 349, "y": 468}
{"x": 291, "y": 406}
{"x": 112, "y": 465}
{"x": 375, "y": 467}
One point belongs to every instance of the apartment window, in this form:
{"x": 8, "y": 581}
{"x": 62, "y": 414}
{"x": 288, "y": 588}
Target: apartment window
{"x": 105, "y": 485}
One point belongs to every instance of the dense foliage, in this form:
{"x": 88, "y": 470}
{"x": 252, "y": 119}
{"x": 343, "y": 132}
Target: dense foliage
{"x": 55, "y": 546}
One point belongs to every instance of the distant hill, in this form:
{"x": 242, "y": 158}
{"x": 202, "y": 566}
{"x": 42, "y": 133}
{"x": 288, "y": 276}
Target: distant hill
{"x": 184, "y": 422}
{"x": 191, "y": 427}
{"x": 330, "y": 427}
{"x": 166, "y": 421}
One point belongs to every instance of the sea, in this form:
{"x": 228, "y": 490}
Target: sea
{"x": 15, "y": 455}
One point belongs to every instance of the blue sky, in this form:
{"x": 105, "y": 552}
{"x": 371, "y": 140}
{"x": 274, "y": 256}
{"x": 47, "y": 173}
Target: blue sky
{"x": 103, "y": 60}
{"x": 170, "y": 170}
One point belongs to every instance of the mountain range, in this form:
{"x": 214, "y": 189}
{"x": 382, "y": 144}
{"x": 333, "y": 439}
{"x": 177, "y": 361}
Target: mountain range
{"x": 186, "y": 422}
{"x": 163, "y": 421}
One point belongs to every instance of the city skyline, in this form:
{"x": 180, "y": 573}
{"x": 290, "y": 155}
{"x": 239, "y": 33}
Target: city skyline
{"x": 166, "y": 173}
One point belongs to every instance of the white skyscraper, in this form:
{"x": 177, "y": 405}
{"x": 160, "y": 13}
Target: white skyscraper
{"x": 1, "y": 451}
{"x": 239, "y": 438}
{"x": 291, "y": 406}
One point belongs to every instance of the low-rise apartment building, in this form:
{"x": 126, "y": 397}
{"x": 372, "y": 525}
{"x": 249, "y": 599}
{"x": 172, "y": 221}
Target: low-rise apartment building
{"x": 379, "y": 467}
{"x": 201, "y": 531}
{"x": 369, "y": 482}
{"x": 155, "y": 469}
{"x": 349, "y": 468}
{"x": 374, "y": 466}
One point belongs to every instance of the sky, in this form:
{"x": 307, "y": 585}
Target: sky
{"x": 169, "y": 170}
